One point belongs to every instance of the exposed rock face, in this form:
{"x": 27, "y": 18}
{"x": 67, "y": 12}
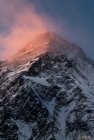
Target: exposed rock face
{"x": 47, "y": 98}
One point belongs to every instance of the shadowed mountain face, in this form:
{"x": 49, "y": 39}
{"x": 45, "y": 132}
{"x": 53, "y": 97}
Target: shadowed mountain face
{"x": 47, "y": 92}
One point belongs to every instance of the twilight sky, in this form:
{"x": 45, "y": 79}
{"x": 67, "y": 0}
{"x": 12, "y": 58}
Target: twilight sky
{"x": 74, "y": 19}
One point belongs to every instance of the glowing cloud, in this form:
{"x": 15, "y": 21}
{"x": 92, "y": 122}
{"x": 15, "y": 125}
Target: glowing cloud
{"x": 26, "y": 23}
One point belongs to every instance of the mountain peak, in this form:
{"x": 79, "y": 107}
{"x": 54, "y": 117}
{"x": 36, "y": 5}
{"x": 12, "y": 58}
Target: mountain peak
{"x": 49, "y": 97}
{"x": 48, "y": 42}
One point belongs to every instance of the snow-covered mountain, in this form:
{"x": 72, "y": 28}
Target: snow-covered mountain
{"x": 47, "y": 92}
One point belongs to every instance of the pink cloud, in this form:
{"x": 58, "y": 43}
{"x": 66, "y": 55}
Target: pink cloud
{"x": 26, "y": 24}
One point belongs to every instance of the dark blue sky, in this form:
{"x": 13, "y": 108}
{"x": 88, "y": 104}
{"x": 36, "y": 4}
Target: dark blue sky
{"x": 74, "y": 18}
{"x": 77, "y": 15}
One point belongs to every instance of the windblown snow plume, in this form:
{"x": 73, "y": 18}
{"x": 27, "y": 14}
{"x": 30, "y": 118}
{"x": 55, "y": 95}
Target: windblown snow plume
{"x": 24, "y": 22}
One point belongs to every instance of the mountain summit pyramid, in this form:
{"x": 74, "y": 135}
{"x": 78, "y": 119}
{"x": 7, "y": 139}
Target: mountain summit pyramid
{"x": 47, "y": 92}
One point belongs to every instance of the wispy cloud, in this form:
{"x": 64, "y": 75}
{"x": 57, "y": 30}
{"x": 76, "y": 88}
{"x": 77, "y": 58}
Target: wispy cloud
{"x": 22, "y": 22}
